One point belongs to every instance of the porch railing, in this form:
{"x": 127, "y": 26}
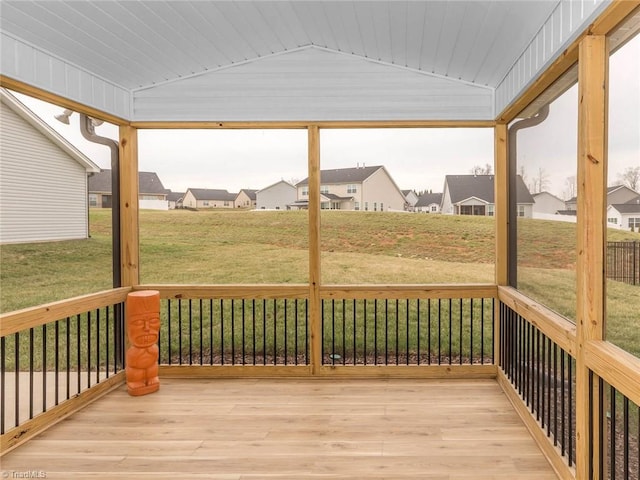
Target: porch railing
{"x": 53, "y": 357}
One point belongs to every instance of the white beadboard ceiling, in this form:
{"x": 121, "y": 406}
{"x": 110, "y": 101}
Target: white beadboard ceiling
{"x": 134, "y": 46}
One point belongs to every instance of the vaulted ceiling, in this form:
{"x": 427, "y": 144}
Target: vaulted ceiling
{"x": 443, "y": 49}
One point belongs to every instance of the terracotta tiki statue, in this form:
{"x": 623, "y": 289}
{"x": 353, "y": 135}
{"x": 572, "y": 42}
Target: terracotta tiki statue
{"x": 143, "y": 325}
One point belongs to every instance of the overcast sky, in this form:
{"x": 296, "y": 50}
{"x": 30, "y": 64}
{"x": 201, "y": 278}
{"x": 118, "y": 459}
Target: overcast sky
{"x": 416, "y": 158}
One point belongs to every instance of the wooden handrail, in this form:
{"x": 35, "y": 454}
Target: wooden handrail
{"x": 553, "y": 325}
{"x": 616, "y": 366}
{"x": 408, "y": 291}
{"x": 31, "y": 317}
{"x": 254, "y": 291}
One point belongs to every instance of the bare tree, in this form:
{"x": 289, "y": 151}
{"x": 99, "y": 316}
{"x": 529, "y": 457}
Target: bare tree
{"x": 630, "y": 177}
{"x": 479, "y": 170}
{"x": 571, "y": 187}
{"x": 541, "y": 181}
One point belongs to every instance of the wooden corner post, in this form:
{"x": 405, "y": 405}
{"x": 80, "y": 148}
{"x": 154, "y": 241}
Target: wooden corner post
{"x": 315, "y": 307}
{"x": 592, "y": 188}
{"x": 501, "y": 216}
{"x": 129, "y": 228}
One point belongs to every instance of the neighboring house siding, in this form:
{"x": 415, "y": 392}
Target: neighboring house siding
{"x": 43, "y": 191}
{"x": 276, "y": 197}
{"x": 379, "y": 190}
{"x": 547, "y": 203}
{"x": 621, "y": 195}
{"x": 447, "y": 206}
{"x": 189, "y": 200}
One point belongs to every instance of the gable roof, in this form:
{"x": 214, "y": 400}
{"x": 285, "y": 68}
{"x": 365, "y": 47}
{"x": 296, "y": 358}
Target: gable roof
{"x": 212, "y": 194}
{"x": 610, "y": 190}
{"x": 149, "y": 183}
{"x": 427, "y": 199}
{"x": 536, "y": 195}
{"x": 54, "y": 137}
{"x": 249, "y": 192}
{"x": 174, "y": 196}
{"x": 344, "y": 175}
{"x": 276, "y": 183}
{"x": 462, "y": 187}
{"x": 626, "y": 208}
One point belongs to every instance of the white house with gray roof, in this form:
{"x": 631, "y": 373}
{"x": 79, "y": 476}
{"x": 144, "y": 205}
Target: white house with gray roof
{"x": 625, "y": 216}
{"x": 208, "y": 198}
{"x": 152, "y": 193}
{"x": 43, "y": 179}
{"x": 429, "y": 203}
{"x": 474, "y": 195}
{"x": 360, "y": 188}
{"x": 277, "y": 196}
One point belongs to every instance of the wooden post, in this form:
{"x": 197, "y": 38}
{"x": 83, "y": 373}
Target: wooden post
{"x": 501, "y": 216}
{"x": 592, "y": 188}
{"x": 315, "y": 306}
{"x": 129, "y": 229}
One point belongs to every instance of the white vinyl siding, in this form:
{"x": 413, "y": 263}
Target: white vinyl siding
{"x": 43, "y": 191}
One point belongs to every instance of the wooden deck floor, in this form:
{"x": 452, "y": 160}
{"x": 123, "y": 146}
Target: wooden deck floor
{"x": 291, "y": 429}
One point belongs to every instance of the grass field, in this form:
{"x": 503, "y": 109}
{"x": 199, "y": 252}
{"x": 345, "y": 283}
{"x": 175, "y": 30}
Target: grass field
{"x": 272, "y": 247}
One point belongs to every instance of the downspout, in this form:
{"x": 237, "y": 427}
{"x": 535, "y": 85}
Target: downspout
{"x": 532, "y": 121}
{"x": 88, "y": 132}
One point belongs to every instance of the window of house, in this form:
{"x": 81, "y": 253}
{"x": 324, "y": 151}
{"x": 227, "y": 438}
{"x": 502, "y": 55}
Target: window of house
{"x": 634, "y": 222}
{"x": 434, "y": 208}
{"x": 324, "y": 189}
{"x": 490, "y": 210}
{"x": 305, "y": 191}
{"x": 226, "y": 203}
{"x": 612, "y": 220}
{"x": 375, "y": 206}
{"x": 521, "y": 210}
{"x": 351, "y": 189}
{"x": 366, "y": 206}
{"x": 381, "y": 207}
{"x": 93, "y": 200}
{"x": 356, "y": 206}
{"x": 205, "y": 203}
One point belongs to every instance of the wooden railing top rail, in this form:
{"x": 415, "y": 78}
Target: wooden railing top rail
{"x": 19, "y": 320}
{"x": 553, "y": 325}
{"x": 408, "y": 291}
{"x": 257, "y": 291}
{"x": 616, "y": 366}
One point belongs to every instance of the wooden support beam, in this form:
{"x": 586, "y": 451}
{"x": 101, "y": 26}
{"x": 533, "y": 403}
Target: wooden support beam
{"x": 315, "y": 302}
{"x": 129, "y": 228}
{"x": 501, "y": 216}
{"x": 592, "y": 188}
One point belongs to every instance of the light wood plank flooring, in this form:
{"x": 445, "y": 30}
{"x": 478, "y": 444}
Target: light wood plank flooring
{"x": 291, "y": 429}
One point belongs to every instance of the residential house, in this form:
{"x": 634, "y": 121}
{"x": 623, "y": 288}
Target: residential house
{"x": 474, "y": 195}
{"x": 278, "y": 196}
{"x": 547, "y": 204}
{"x": 359, "y": 188}
{"x": 208, "y": 198}
{"x": 411, "y": 198}
{"x": 43, "y": 179}
{"x": 246, "y": 198}
{"x": 429, "y": 203}
{"x": 174, "y": 199}
{"x": 625, "y": 215}
{"x": 616, "y": 194}
{"x": 152, "y": 193}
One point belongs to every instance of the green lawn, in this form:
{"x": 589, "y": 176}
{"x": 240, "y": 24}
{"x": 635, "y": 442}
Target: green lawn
{"x": 183, "y": 246}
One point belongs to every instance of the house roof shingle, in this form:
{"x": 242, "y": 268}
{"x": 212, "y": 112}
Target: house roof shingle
{"x": 628, "y": 208}
{"x": 212, "y": 194}
{"x": 149, "y": 183}
{"x": 250, "y": 192}
{"x": 344, "y": 175}
{"x": 462, "y": 187}
{"x": 427, "y": 199}
{"x": 174, "y": 196}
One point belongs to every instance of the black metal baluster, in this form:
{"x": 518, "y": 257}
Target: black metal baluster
{"x": 222, "y": 332}
{"x": 571, "y": 410}
{"x": 375, "y": 331}
{"x": 201, "y": 332}
{"x": 253, "y": 323}
{"x": 44, "y": 368}
{"x": 286, "y": 339}
{"x": 355, "y": 332}
{"x": 211, "y": 332}
{"x": 418, "y": 328}
{"x": 549, "y": 388}
{"x": 264, "y": 331}
{"x": 169, "y": 344}
{"x": 471, "y": 332}
{"x": 625, "y": 436}
{"x": 460, "y": 334}
{"x": 275, "y": 332}
{"x": 2, "y": 396}
{"x": 31, "y": 355}
{"x": 364, "y": 349}
{"x": 16, "y": 338}
{"x": 439, "y": 331}
{"x": 555, "y": 394}
{"x": 562, "y": 403}
{"x": 407, "y": 307}
{"x": 386, "y": 331}
{"x": 233, "y": 331}
{"x": 180, "y": 331}
{"x": 79, "y": 354}
{"x": 68, "y": 357}
{"x": 428, "y": 331}
{"x": 244, "y": 333}
{"x": 333, "y": 332}
{"x": 98, "y": 345}
{"x": 612, "y": 423}
{"x": 344, "y": 327}
{"x": 190, "y": 303}
{"x": 450, "y": 330}
{"x": 322, "y": 331}
{"x": 306, "y": 331}
{"x": 88, "y": 349}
